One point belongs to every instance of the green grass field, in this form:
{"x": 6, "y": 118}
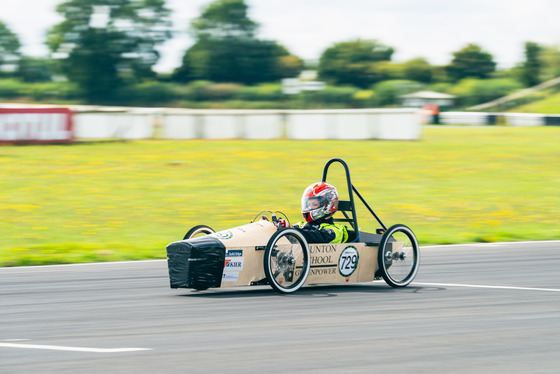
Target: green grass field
{"x": 127, "y": 200}
{"x": 549, "y": 105}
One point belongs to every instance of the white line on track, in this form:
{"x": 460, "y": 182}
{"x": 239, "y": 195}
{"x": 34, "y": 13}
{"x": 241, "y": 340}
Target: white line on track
{"x": 16, "y": 340}
{"x": 486, "y": 286}
{"x": 75, "y": 349}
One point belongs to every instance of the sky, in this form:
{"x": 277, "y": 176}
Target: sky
{"x": 432, "y": 29}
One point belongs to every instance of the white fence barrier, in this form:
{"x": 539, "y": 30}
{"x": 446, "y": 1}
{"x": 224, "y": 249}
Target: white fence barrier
{"x": 525, "y": 119}
{"x": 349, "y": 124}
{"x": 509, "y": 119}
{"x": 104, "y": 125}
{"x": 394, "y": 124}
{"x": 143, "y": 123}
{"x": 401, "y": 124}
{"x": 463, "y": 118}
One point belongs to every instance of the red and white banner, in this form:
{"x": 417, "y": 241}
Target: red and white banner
{"x": 36, "y": 125}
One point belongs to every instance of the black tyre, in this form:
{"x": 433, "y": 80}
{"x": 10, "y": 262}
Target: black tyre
{"x": 199, "y": 230}
{"x": 398, "y": 256}
{"x": 286, "y": 260}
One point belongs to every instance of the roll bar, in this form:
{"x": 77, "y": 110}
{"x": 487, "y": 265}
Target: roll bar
{"x": 348, "y": 206}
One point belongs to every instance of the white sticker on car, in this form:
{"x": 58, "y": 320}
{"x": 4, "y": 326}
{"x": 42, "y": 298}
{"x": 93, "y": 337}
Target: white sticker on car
{"x": 223, "y": 235}
{"x": 234, "y": 263}
{"x": 348, "y": 261}
{"x": 234, "y": 252}
{"x": 230, "y": 276}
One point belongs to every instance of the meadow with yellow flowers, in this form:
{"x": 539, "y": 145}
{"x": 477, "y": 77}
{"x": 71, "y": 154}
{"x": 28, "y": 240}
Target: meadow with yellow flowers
{"x": 106, "y": 201}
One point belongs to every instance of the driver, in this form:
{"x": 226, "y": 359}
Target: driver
{"x": 318, "y": 204}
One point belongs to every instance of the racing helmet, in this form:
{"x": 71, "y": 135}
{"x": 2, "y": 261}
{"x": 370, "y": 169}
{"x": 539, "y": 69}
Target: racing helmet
{"x": 318, "y": 201}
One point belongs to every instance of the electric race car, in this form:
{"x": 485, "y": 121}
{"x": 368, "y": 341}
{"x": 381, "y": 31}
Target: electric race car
{"x": 259, "y": 253}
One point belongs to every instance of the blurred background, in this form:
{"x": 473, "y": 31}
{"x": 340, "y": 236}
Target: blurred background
{"x": 111, "y": 199}
{"x": 281, "y": 54}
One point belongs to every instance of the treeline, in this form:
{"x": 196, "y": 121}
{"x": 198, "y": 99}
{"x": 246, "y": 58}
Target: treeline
{"x": 104, "y": 51}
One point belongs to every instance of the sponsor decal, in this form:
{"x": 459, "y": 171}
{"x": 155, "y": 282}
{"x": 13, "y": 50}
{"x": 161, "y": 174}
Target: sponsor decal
{"x": 318, "y": 270}
{"x": 322, "y": 254}
{"x": 224, "y": 234}
{"x": 36, "y": 125}
{"x": 321, "y": 260}
{"x": 235, "y": 263}
{"x": 323, "y": 249}
{"x": 348, "y": 261}
{"x": 322, "y": 271}
{"x": 230, "y": 276}
{"x": 234, "y": 253}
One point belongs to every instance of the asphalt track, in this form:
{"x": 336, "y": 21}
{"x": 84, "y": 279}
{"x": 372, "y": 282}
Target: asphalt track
{"x": 487, "y": 308}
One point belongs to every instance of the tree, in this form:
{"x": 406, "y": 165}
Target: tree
{"x": 550, "y": 62}
{"x": 472, "y": 91}
{"x": 236, "y": 60}
{"x": 471, "y": 61}
{"x": 388, "y": 92}
{"x": 9, "y": 49}
{"x": 106, "y": 44}
{"x": 227, "y": 49}
{"x": 354, "y": 62}
{"x": 531, "y": 68}
{"x": 224, "y": 19}
{"x": 36, "y": 69}
{"x": 418, "y": 69}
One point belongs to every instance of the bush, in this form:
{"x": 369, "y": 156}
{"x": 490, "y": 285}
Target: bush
{"x": 262, "y": 92}
{"x": 49, "y": 91}
{"x": 45, "y": 91}
{"x": 10, "y": 88}
{"x": 440, "y": 87}
{"x": 336, "y": 95}
{"x": 147, "y": 93}
{"x": 472, "y": 91}
{"x": 387, "y": 92}
{"x": 201, "y": 90}
{"x": 219, "y": 91}
{"x": 364, "y": 99}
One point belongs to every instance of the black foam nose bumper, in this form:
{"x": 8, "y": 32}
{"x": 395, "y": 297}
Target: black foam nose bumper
{"x": 196, "y": 263}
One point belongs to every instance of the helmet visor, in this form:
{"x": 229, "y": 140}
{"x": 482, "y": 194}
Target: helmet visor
{"x": 309, "y": 204}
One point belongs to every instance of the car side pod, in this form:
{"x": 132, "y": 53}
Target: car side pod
{"x": 196, "y": 263}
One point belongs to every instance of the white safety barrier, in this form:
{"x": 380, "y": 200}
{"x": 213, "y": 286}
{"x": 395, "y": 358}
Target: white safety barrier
{"x": 401, "y": 124}
{"x": 18, "y": 123}
{"x": 263, "y": 126}
{"x": 524, "y": 119}
{"x": 506, "y": 118}
{"x": 463, "y": 118}
{"x": 179, "y": 126}
{"x": 222, "y": 124}
{"x": 120, "y": 125}
{"x": 143, "y": 123}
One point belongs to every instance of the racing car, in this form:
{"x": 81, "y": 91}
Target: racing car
{"x": 259, "y": 253}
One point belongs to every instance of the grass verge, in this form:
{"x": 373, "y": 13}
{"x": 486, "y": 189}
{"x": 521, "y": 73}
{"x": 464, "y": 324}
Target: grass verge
{"x": 111, "y": 201}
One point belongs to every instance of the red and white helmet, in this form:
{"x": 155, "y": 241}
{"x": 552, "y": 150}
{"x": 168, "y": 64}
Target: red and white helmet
{"x": 318, "y": 201}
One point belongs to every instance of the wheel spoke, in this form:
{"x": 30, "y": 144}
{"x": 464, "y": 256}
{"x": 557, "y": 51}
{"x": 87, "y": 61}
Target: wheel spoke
{"x": 286, "y": 262}
{"x": 399, "y": 256}
{"x": 400, "y": 268}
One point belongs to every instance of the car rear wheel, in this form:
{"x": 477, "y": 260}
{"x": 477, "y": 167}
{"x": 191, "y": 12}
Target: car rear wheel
{"x": 398, "y": 257}
{"x": 286, "y": 260}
